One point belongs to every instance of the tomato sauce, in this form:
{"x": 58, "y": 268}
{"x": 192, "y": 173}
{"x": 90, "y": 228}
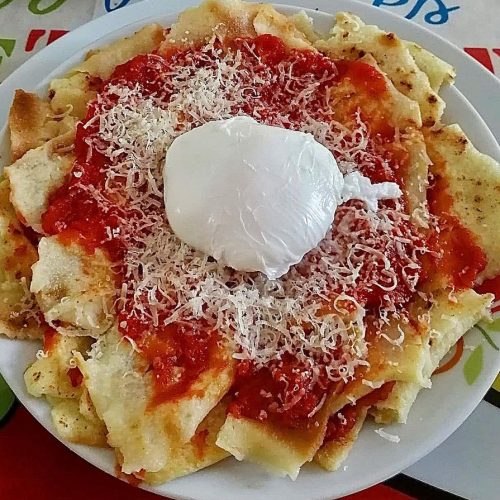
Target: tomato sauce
{"x": 286, "y": 392}
{"x": 456, "y": 252}
{"x": 199, "y": 441}
{"x": 50, "y": 338}
{"x": 73, "y": 213}
{"x": 490, "y": 286}
{"x": 363, "y": 76}
{"x": 75, "y": 376}
{"x": 341, "y": 423}
{"x": 177, "y": 354}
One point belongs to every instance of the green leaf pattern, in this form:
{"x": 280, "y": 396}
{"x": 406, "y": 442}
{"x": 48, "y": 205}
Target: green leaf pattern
{"x": 474, "y": 365}
{"x": 493, "y": 327}
{"x": 7, "y": 398}
{"x": 486, "y": 335}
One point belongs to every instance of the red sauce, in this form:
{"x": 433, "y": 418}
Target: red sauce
{"x": 341, "y": 423}
{"x": 456, "y": 252}
{"x": 199, "y": 441}
{"x": 75, "y": 376}
{"x": 176, "y": 354}
{"x": 286, "y": 393}
{"x": 363, "y": 76}
{"x": 490, "y": 286}
{"x": 50, "y": 338}
{"x": 73, "y": 213}
{"x": 344, "y": 420}
{"x": 21, "y": 251}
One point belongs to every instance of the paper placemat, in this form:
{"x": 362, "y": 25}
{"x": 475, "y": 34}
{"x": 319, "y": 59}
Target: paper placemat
{"x": 27, "y": 26}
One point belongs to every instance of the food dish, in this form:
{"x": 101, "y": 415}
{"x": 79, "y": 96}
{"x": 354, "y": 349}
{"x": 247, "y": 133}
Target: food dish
{"x": 83, "y": 324}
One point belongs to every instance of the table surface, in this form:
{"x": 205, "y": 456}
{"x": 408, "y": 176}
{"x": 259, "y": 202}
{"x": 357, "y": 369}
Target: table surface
{"x": 466, "y": 465}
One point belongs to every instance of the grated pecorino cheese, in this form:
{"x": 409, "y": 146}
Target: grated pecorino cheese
{"x": 317, "y": 311}
{"x": 393, "y": 438}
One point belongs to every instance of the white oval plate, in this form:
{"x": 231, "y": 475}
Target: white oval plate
{"x": 436, "y": 413}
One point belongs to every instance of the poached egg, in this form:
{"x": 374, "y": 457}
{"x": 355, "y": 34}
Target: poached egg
{"x": 257, "y": 197}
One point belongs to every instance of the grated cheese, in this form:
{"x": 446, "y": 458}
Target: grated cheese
{"x": 393, "y": 438}
{"x": 166, "y": 281}
{"x": 40, "y": 354}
